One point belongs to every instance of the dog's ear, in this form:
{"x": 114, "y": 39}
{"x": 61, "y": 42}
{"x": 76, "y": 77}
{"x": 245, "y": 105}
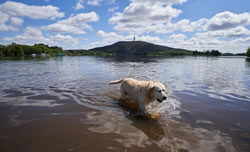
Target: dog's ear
{"x": 152, "y": 88}
{"x": 152, "y": 92}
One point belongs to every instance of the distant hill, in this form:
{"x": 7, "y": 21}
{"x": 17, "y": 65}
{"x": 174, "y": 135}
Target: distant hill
{"x": 122, "y": 48}
{"x": 139, "y": 48}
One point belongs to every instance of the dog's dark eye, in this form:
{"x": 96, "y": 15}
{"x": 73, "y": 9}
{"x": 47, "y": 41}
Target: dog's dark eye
{"x": 159, "y": 91}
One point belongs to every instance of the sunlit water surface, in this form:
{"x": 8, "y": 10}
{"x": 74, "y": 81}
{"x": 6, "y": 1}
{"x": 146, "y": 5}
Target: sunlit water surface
{"x": 66, "y": 104}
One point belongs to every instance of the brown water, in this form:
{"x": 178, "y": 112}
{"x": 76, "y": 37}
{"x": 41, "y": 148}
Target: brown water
{"x": 64, "y": 104}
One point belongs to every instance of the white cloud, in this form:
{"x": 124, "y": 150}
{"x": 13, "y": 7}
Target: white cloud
{"x": 177, "y": 37}
{"x": 228, "y": 20}
{"x": 11, "y": 12}
{"x": 66, "y": 41}
{"x": 74, "y": 24}
{"x": 162, "y": 2}
{"x": 143, "y": 14}
{"x": 79, "y": 5}
{"x": 111, "y": 10}
{"x": 219, "y": 25}
{"x": 13, "y": 25}
{"x": 16, "y": 21}
{"x": 112, "y": 37}
{"x": 61, "y": 28}
{"x": 241, "y": 40}
{"x": 156, "y": 16}
{"x": 184, "y": 25}
{"x": 31, "y": 11}
{"x": 94, "y": 2}
{"x": 234, "y": 32}
{"x": 98, "y": 2}
{"x": 30, "y": 35}
{"x": 201, "y": 42}
{"x": 33, "y": 35}
{"x": 226, "y": 32}
{"x": 4, "y": 18}
{"x": 151, "y": 39}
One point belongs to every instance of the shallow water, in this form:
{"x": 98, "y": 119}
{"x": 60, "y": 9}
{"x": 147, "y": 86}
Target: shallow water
{"x": 66, "y": 104}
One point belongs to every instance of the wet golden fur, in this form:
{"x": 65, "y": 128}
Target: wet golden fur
{"x": 141, "y": 92}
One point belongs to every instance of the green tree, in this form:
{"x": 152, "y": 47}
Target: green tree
{"x": 19, "y": 51}
{"x": 248, "y": 52}
{"x": 1, "y": 50}
{"x": 10, "y": 51}
{"x": 207, "y": 53}
{"x": 215, "y": 53}
{"x": 195, "y": 52}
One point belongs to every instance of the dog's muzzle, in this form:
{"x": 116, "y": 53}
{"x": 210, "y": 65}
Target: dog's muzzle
{"x": 159, "y": 100}
{"x": 164, "y": 98}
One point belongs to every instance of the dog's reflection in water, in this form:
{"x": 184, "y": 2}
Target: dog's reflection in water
{"x": 152, "y": 128}
{"x": 149, "y": 124}
{"x": 133, "y": 108}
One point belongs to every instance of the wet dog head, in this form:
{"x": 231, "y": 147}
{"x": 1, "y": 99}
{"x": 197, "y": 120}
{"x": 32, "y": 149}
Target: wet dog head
{"x": 158, "y": 92}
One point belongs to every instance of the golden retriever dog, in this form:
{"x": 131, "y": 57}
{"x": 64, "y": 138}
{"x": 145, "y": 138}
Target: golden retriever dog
{"x": 141, "y": 92}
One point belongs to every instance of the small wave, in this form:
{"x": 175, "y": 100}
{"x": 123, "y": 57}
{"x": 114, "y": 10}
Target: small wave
{"x": 166, "y": 108}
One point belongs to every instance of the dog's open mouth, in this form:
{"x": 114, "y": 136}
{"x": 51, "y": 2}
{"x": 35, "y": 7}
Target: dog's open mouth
{"x": 159, "y": 100}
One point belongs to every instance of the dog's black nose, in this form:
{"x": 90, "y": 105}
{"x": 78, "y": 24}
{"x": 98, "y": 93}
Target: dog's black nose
{"x": 164, "y": 98}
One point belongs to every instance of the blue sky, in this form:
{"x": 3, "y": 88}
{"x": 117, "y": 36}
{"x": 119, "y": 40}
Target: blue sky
{"x": 82, "y": 24}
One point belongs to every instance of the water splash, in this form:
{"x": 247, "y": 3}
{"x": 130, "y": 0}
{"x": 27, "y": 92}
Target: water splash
{"x": 166, "y": 108}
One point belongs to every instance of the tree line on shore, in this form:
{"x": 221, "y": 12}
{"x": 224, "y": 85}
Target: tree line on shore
{"x": 17, "y": 50}
{"x": 248, "y": 52}
{"x": 207, "y": 53}
{"x": 218, "y": 53}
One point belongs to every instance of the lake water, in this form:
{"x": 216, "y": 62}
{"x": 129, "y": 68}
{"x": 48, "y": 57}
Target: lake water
{"x": 65, "y": 104}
